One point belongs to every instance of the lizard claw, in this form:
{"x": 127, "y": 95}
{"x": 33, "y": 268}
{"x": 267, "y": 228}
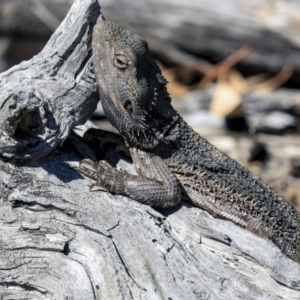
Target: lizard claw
{"x": 88, "y": 162}
{"x": 93, "y": 186}
{"x": 87, "y": 168}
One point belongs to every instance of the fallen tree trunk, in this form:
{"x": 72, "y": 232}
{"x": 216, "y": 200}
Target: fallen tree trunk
{"x": 58, "y": 240}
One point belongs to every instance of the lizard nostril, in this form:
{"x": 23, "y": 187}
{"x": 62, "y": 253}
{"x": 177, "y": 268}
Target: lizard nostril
{"x": 128, "y": 107}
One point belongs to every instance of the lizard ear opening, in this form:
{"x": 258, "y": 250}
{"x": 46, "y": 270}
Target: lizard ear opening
{"x": 128, "y": 106}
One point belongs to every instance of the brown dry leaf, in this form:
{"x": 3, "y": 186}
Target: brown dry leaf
{"x": 226, "y": 99}
{"x": 237, "y": 81}
{"x": 221, "y": 69}
{"x": 278, "y": 80}
{"x": 256, "y": 79}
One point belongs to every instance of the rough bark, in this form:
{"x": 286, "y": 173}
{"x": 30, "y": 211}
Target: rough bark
{"x": 44, "y": 98}
{"x": 58, "y": 240}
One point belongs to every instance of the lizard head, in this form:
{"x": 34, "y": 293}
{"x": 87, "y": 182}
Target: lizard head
{"x": 131, "y": 86}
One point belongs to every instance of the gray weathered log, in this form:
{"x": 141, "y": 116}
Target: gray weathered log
{"x": 43, "y": 98}
{"x": 58, "y": 240}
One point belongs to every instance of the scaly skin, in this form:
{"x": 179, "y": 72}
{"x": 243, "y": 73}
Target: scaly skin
{"x": 172, "y": 161}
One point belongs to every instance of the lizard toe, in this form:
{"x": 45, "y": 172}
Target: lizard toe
{"x": 88, "y": 162}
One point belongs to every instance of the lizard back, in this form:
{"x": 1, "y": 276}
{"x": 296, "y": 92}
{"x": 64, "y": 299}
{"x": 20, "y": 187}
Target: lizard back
{"x": 219, "y": 184}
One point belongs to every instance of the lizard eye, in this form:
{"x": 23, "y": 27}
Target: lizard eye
{"x": 121, "y": 61}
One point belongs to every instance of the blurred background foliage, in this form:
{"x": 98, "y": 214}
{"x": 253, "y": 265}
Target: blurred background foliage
{"x": 233, "y": 69}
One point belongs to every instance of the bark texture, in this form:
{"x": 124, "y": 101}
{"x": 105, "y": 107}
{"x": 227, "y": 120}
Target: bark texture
{"x": 44, "y": 98}
{"x": 58, "y": 240}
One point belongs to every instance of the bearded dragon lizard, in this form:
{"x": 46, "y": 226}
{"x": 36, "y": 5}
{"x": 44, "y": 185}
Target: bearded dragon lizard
{"x": 173, "y": 162}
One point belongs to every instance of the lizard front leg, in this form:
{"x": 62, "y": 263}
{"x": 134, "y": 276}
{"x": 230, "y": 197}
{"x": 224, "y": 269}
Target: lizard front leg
{"x": 156, "y": 185}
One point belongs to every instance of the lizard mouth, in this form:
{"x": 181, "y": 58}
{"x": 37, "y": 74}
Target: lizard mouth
{"x": 138, "y": 129}
{"x": 137, "y": 125}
